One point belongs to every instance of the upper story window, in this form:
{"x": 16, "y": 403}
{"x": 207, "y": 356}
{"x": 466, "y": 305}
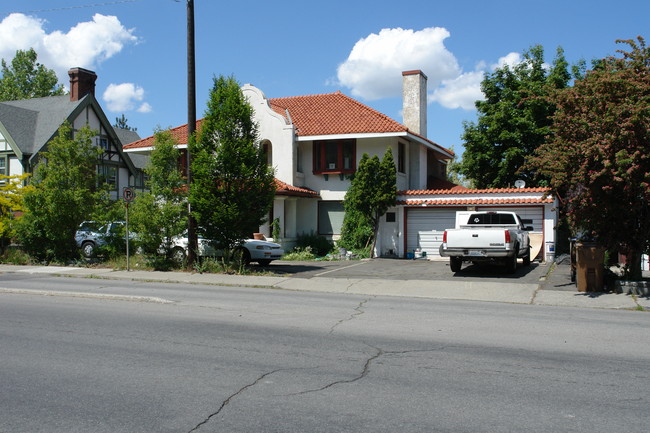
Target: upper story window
{"x": 3, "y": 165}
{"x": 335, "y": 156}
{"x": 108, "y": 175}
{"x": 401, "y": 157}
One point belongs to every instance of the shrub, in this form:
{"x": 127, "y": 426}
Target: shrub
{"x": 319, "y": 245}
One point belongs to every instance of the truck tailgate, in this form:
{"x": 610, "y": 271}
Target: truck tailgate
{"x": 479, "y": 238}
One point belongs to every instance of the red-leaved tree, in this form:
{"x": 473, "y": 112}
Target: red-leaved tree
{"x": 598, "y": 157}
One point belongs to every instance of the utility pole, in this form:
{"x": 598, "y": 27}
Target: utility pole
{"x": 192, "y": 241}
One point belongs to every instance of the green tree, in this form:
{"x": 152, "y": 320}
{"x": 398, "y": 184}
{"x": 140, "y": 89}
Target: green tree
{"x": 232, "y": 186}
{"x": 65, "y": 193}
{"x": 26, "y": 79}
{"x": 372, "y": 191}
{"x": 598, "y": 160}
{"x": 12, "y": 192}
{"x": 160, "y": 214}
{"x": 123, "y": 123}
{"x": 513, "y": 120}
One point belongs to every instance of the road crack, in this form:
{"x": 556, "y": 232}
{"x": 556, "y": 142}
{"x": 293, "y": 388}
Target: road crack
{"x": 364, "y": 373}
{"x": 230, "y": 398}
{"x": 358, "y": 310}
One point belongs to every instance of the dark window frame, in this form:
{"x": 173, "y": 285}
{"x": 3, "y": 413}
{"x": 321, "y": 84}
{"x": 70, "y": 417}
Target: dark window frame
{"x": 320, "y": 163}
{"x": 401, "y": 157}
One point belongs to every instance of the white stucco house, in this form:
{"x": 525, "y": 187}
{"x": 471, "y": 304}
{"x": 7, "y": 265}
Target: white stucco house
{"x": 314, "y": 143}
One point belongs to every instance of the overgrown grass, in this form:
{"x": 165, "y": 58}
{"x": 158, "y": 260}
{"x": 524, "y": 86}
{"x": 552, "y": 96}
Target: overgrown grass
{"x": 16, "y": 256}
{"x": 136, "y": 262}
{"x": 299, "y": 253}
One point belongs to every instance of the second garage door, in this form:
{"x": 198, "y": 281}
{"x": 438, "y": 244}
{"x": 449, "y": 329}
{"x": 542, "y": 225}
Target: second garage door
{"x": 425, "y": 226}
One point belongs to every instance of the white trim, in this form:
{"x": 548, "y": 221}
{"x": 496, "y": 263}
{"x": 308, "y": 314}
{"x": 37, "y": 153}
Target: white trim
{"x": 407, "y": 134}
{"x": 148, "y": 149}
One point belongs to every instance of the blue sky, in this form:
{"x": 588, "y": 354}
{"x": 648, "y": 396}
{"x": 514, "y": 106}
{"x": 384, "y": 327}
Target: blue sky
{"x": 288, "y": 48}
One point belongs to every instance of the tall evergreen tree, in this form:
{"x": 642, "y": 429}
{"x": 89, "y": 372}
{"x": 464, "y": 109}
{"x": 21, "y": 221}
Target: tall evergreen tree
{"x": 372, "y": 191}
{"x": 123, "y": 123}
{"x": 232, "y": 186}
{"x": 513, "y": 120}
{"x": 27, "y": 79}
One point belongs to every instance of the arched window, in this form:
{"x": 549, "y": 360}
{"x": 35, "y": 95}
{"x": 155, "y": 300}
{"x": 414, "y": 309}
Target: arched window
{"x": 267, "y": 148}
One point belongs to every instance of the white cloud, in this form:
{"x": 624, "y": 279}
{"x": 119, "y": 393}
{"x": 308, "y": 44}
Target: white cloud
{"x": 460, "y": 92}
{"x": 85, "y": 45}
{"x": 373, "y": 70}
{"x": 145, "y": 108}
{"x": 125, "y": 97}
{"x": 374, "y": 67}
{"x": 511, "y": 60}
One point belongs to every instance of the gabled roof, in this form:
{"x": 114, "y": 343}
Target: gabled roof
{"x": 29, "y": 124}
{"x": 32, "y": 122}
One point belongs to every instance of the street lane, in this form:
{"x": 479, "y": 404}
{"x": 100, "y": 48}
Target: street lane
{"x": 244, "y": 359}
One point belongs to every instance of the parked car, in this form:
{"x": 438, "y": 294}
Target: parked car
{"x": 488, "y": 237}
{"x": 91, "y": 235}
{"x": 253, "y": 250}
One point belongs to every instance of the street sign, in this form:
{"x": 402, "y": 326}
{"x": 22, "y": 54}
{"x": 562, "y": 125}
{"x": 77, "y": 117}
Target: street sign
{"x": 128, "y": 194}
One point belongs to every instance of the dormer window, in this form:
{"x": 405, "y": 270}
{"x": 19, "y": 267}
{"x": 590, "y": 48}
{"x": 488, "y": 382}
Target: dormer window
{"x": 334, "y": 156}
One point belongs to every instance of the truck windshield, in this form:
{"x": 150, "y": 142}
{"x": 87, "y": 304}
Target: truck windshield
{"x": 491, "y": 218}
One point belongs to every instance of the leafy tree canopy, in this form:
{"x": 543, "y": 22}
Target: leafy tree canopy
{"x": 12, "y": 191}
{"x": 26, "y": 79}
{"x": 66, "y": 191}
{"x": 232, "y": 186}
{"x": 513, "y": 120}
{"x": 598, "y": 160}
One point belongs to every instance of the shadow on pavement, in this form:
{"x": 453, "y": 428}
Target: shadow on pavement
{"x": 485, "y": 270}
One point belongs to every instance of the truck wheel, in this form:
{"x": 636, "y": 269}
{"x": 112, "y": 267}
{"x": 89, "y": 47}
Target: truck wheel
{"x": 88, "y": 249}
{"x": 455, "y": 263}
{"x": 527, "y": 258}
{"x": 511, "y": 264}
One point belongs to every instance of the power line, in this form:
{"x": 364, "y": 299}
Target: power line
{"x": 65, "y": 8}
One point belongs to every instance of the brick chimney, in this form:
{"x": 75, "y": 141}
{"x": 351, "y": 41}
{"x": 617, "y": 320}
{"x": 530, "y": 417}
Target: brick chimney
{"x": 414, "y": 101}
{"x": 82, "y": 82}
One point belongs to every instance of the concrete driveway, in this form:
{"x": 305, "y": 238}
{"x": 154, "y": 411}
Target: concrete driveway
{"x": 401, "y": 269}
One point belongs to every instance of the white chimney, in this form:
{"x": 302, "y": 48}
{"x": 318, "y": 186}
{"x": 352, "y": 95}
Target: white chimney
{"x": 414, "y": 101}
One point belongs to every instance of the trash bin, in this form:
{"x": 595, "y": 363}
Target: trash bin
{"x": 590, "y": 267}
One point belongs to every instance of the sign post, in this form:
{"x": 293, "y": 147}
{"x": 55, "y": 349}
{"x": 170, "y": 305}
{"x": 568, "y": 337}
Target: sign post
{"x": 128, "y": 195}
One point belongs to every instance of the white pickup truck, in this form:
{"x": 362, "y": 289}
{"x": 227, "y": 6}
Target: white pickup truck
{"x": 488, "y": 236}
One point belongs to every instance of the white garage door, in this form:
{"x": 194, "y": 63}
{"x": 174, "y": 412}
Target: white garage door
{"x": 424, "y": 228}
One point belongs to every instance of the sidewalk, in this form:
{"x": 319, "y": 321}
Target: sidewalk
{"x": 555, "y": 289}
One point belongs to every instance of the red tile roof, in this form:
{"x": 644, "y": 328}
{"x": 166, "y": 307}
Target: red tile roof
{"x": 475, "y": 191}
{"x": 179, "y": 133}
{"x": 459, "y": 197}
{"x": 333, "y": 114}
{"x": 283, "y": 188}
{"x": 475, "y": 201}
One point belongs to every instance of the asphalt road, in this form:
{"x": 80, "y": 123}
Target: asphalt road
{"x": 121, "y": 356}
